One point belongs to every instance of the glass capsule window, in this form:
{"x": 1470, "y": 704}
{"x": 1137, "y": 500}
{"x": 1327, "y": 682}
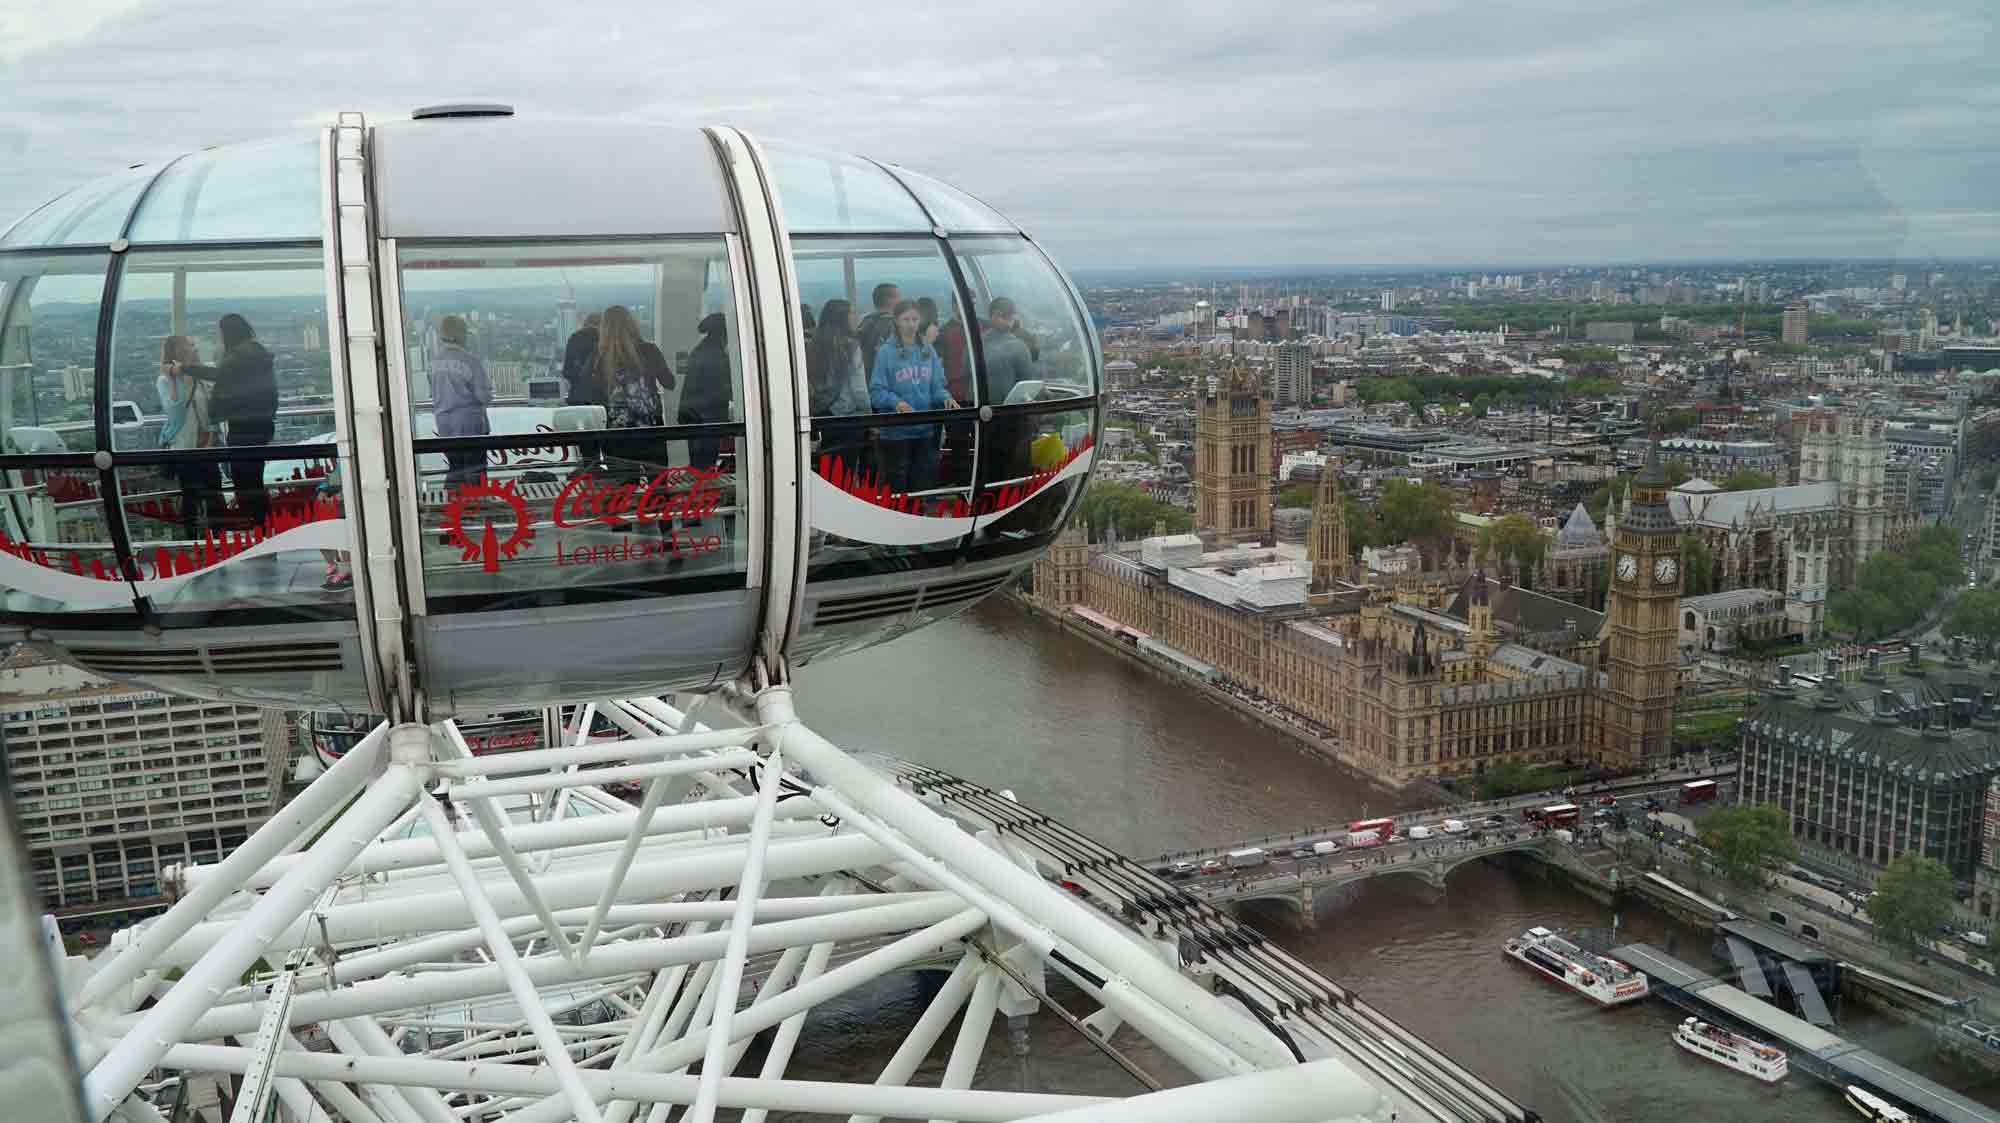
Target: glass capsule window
{"x": 48, "y": 352}
{"x": 824, "y": 192}
{"x": 267, "y": 191}
{"x": 93, "y": 214}
{"x": 1035, "y": 345}
{"x": 578, "y": 414}
{"x": 951, "y": 209}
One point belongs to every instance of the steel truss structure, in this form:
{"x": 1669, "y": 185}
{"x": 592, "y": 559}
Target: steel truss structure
{"x": 426, "y": 936}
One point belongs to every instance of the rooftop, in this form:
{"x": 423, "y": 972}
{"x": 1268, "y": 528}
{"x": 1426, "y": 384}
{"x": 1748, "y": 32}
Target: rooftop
{"x": 1880, "y": 724}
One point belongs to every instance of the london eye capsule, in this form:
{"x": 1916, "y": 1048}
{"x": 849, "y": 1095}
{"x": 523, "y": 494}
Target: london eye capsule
{"x": 469, "y": 413}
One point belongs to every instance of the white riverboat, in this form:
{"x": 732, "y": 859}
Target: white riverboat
{"x": 1605, "y": 981}
{"x": 1731, "y": 1050}
{"x": 1873, "y": 1107}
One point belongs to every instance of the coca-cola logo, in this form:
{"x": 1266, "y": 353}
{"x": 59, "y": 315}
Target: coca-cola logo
{"x": 681, "y": 492}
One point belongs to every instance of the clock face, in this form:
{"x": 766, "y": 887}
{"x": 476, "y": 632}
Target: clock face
{"x": 1664, "y": 570}
{"x": 1628, "y": 567}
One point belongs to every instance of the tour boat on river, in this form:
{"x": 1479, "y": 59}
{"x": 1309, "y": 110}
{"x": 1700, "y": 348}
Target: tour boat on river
{"x": 1873, "y": 1107}
{"x": 1605, "y": 981}
{"x": 1731, "y": 1050}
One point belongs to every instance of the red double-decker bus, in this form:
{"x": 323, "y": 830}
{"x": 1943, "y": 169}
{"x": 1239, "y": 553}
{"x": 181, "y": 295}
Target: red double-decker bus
{"x": 1698, "y": 791}
{"x": 1370, "y": 832}
{"x": 1554, "y": 815}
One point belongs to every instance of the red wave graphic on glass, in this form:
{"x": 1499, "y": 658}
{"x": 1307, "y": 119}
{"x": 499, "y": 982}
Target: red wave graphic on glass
{"x": 866, "y": 486}
{"x": 296, "y": 509}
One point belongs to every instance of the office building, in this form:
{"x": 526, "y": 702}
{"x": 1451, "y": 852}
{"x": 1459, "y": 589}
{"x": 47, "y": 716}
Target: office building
{"x": 113, "y": 782}
{"x": 1900, "y": 760}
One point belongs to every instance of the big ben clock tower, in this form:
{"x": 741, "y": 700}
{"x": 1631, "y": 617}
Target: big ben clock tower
{"x": 1642, "y": 655}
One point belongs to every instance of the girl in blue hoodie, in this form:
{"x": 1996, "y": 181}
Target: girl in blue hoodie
{"x": 908, "y": 377}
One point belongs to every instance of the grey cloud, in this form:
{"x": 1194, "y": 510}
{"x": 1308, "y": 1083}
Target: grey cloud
{"x": 1254, "y": 133}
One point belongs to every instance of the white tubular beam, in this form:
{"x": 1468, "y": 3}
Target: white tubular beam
{"x": 972, "y": 1029}
{"x": 412, "y": 853}
{"x": 553, "y": 781}
{"x": 344, "y": 1101}
{"x": 491, "y": 825}
{"x": 386, "y": 1098}
{"x": 1074, "y": 923}
{"x": 764, "y": 1015}
{"x": 806, "y": 1097}
{"x": 281, "y": 909}
{"x": 749, "y": 889}
{"x": 426, "y": 1102}
{"x": 655, "y": 793}
{"x": 787, "y": 1038}
{"x": 324, "y": 795}
{"x": 300, "y": 1102}
{"x": 1313, "y": 1092}
{"x": 402, "y": 993}
{"x": 1199, "y": 1053}
{"x": 554, "y": 1052}
{"x": 636, "y": 748}
{"x": 708, "y": 868}
{"x": 923, "y": 1036}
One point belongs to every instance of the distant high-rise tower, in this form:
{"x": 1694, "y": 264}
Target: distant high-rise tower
{"x": 1388, "y": 300}
{"x": 1232, "y": 472}
{"x": 1291, "y": 374}
{"x": 1795, "y": 323}
{"x": 310, "y": 337}
{"x": 1326, "y": 548}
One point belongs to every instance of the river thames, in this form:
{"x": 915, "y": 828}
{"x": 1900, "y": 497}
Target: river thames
{"x": 1007, "y": 699}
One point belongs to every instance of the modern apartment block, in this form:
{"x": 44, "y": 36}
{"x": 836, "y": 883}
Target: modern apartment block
{"x": 112, "y": 782}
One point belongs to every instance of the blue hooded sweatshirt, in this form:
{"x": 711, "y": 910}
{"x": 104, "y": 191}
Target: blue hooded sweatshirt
{"x": 910, "y": 373}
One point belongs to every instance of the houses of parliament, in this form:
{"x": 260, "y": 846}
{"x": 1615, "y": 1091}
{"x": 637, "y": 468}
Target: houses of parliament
{"x": 1418, "y": 676}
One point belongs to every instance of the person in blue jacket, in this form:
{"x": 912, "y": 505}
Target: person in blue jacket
{"x": 908, "y": 377}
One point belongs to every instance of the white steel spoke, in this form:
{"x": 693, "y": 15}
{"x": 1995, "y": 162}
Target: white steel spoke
{"x": 509, "y": 962}
{"x": 749, "y": 889}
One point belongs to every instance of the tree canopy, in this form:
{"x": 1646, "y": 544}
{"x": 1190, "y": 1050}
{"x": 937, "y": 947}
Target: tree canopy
{"x": 1511, "y": 536}
{"x": 1416, "y": 512}
{"x": 1749, "y": 838}
{"x": 1128, "y": 508}
{"x": 1894, "y": 589}
{"x": 1746, "y": 479}
{"x": 1976, "y": 613}
{"x": 1912, "y": 896}
{"x": 1295, "y": 495}
{"x": 1698, "y": 566}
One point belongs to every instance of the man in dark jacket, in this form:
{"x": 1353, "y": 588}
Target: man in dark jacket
{"x": 245, "y": 399}
{"x": 879, "y": 325}
{"x": 1008, "y": 363}
{"x": 709, "y": 389}
{"x": 578, "y": 351}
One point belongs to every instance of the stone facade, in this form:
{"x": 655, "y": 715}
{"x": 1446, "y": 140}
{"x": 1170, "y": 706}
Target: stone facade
{"x": 1232, "y": 474}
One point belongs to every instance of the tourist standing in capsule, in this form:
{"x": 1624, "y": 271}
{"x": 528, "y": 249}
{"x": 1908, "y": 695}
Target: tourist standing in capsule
{"x": 706, "y": 397}
{"x": 460, "y": 393}
{"x": 837, "y": 381}
{"x": 245, "y": 400}
{"x": 184, "y": 400}
{"x": 908, "y": 377}
{"x": 632, "y": 371}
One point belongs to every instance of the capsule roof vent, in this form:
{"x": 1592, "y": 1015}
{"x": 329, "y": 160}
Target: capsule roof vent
{"x": 462, "y": 109}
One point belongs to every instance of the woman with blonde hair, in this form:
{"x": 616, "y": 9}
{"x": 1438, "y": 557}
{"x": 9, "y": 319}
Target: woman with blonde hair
{"x": 633, "y": 372}
{"x": 184, "y": 400}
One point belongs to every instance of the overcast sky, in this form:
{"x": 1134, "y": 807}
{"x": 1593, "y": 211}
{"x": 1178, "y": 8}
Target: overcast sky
{"x": 1301, "y": 133}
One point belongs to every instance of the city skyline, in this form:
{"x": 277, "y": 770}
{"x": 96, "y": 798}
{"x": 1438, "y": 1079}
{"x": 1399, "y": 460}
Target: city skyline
{"x": 1422, "y": 136}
